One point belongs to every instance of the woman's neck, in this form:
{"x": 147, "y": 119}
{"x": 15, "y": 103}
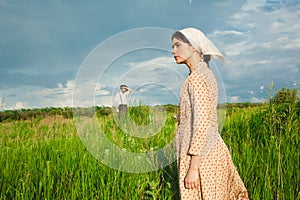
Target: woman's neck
{"x": 193, "y": 62}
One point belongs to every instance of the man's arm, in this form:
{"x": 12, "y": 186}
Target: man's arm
{"x": 129, "y": 89}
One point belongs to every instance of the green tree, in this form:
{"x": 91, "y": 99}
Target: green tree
{"x": 286, "y": 96}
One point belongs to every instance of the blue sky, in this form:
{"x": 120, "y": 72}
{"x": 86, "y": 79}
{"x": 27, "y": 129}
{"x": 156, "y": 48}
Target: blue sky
{"x": 43, "y": 45}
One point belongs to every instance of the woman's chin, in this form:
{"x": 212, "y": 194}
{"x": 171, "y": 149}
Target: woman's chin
{"x": 179, "y": 62}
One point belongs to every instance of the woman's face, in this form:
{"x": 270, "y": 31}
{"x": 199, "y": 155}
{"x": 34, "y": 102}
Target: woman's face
{"x": 181, "y": 51}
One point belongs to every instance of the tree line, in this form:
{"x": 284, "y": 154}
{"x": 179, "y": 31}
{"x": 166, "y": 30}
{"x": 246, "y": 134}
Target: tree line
{"x": 282, "y": 99}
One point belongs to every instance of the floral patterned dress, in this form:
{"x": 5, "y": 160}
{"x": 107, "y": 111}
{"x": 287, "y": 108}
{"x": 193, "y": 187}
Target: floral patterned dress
{"x": 197, "y": 134}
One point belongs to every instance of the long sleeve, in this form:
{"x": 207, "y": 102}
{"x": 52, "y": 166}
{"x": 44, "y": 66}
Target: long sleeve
{"x": 201, "y": 114}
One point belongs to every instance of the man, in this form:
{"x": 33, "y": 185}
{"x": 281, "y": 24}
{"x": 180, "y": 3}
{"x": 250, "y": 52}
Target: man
{"x": 121, "y": 99}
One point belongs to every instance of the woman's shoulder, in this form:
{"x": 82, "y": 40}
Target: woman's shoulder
{"x": 197, "y": 80}
{"x": 196, "y": 76}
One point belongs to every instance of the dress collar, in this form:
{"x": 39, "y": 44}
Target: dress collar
{"x": 200, "y": 67}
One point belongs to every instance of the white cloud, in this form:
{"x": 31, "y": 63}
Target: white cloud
{"x": 157, "y": 71}
{"x": 166, "y": 61}
{"x": 282, "y": 43}
{"x": 253, "y": 5}
{"x": 293, "y": 45}
{"x": 90, "y": 93}
{"x": 18, "y": 105}
{"x": 142, "y": 90}
{"x": 61, "y": 96}
{"x": 234, "y": 99}
{"x": 251, "y": 92}
{"x": 261, "y": 44}
{"x": 227, "y": 32}
{"x": 239, "y": 48}
{"x": 258, "y": 100}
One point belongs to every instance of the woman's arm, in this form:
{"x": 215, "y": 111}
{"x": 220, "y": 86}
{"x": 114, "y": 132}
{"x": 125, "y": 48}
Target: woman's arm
{"x": 201, "y": 109}
{"x": 192, "y": 178}
{"x": 201, "y": 115}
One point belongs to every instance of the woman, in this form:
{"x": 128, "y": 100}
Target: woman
{"x": 205, "y": 167}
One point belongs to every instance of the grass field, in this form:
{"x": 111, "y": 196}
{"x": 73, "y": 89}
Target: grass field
{"x": 44, "y": 158}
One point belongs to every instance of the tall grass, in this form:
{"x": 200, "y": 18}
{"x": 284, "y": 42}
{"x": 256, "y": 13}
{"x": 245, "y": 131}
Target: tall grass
{"x": 45, "y": 158}
{"x": 264, "y": 142}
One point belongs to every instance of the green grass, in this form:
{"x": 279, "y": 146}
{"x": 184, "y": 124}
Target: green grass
{"x": 46, "y": 159}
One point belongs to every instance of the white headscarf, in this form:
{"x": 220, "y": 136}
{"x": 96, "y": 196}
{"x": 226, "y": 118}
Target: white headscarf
{"x": 201, "y": 43}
